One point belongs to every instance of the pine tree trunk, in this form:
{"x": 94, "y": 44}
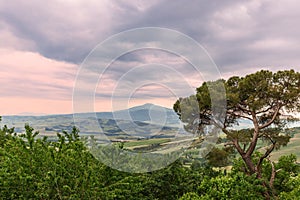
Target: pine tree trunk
{"x": 249, "y": 163}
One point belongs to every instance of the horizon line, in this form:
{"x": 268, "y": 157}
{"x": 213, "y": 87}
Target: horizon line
{"x": 29, "y": 114}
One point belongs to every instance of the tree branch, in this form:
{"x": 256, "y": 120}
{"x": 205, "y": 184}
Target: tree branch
{"x": 229, "y": 144}
{"x": 267, "y": 153}
{"x": 238, "y": 147}
{"x": 241, "y": 116}
{"x": 266, "y": 110}
{"x": 253, "y": 142}
{"x": 244, "y": 109}
{"x": 272, "y": 120}
{"x": 273, "y": 174}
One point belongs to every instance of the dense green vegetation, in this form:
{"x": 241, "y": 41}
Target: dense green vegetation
{"x": 37, "y": 169}
{"x": 34, "y": 168}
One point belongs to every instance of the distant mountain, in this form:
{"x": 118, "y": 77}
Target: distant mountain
{"x": 143, "y": 119}
{"x": 148, "y": 113}
{"x": 139, "y": 113}
{"x": 144, "y": 113}
{"x": 31, "y": 114}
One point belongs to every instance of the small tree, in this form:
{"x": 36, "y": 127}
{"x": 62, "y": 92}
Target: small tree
{"x": 262, "y": 98}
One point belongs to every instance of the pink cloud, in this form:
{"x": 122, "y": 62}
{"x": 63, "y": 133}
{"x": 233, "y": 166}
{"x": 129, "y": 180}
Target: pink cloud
{"x": 30, "y": 82}
{"x": 17, "y": 106}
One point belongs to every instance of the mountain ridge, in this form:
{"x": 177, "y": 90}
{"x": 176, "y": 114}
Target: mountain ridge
{"x": 142, "y": 113}
{"x": 29, "y": 114}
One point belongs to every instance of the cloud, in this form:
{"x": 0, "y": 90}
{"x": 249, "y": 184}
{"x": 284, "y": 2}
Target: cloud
{"x": 28, "y": 74}
{"x": 256, "y": 34}
{"x": 33, "y": 106}
{"x": 66, "y": 30}
{"x": 11, "y": 41}
{"x": 237, "y": 34}
{"x": 141, "y": 76}
{"x": 133, "y": 70}
{"x": 233, "y": 32}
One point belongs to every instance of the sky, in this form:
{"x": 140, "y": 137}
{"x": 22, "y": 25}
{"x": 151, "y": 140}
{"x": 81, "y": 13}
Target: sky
{"x": 48, "y": 50}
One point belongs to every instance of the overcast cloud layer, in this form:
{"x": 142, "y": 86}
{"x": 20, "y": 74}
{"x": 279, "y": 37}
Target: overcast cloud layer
{"x": 42, "y": 43}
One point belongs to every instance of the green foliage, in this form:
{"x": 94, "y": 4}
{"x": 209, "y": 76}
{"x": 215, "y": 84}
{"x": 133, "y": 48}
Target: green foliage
{"x": 174, "y": 181}
{"x": 37, "y": 169}
{"x": 287, "y": 169}
{"x": 293, "y": 187}
{"x": 169, "y": 183}
{"x": 219, "y": 157}
{"x": 32, "y": 168}
{"x": 190, "y": 196}
{"x": 235, "y": 186}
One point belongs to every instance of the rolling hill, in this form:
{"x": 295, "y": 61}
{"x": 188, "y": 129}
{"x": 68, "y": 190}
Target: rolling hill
{"x": 142, "y": 121}
{"x": 143, "y": 127}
